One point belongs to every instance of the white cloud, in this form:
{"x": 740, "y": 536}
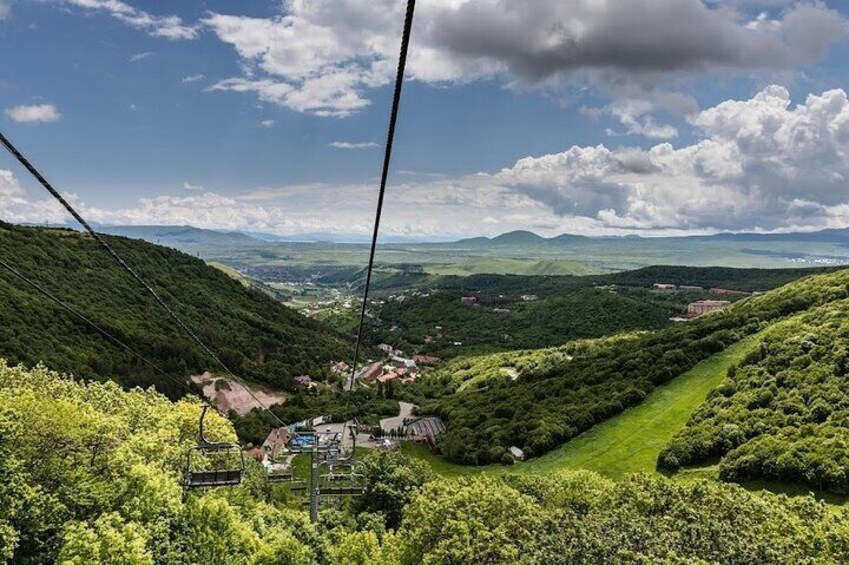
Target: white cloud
{"x": 15, "y": 207}
{"x": 760, "y": 164}
{"x": 349, "y": 145}
{"x": 141, "y": 56}
{"x": 193, "y": 78}
{"x": 169, "y": 27}
{"x": 38, "y": 113}
{"x": 323, "y": 58}
{"x": 193, "y": 187}
{"x": 267, "y": 123}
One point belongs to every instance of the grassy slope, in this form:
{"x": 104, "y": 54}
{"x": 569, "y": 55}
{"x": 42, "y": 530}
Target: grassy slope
{"x": 629, "y": 442}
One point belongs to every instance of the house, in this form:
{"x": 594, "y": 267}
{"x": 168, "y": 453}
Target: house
{"x": 502, "y": 311}
{"x": 303, "y": 382}
{"x": 469, "y": 300}
{"x": 370, "y": 372}
{"x": 402, "y": 363}
{"x": 664, "y": 286}
{"x": 705, "y": 306}
{"x": 389, "y": 377}
{"x": 257, "y": 453}
{"x": 691, "y": 288}
{"x": 275, "y": 444}
{"x": 386, "y": 348}
{"x": 517, "y": 453}
{"x": 426, "y": 360}
{"x": 529, "y": 297}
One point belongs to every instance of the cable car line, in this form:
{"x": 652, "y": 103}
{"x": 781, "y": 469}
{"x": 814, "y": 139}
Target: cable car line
{"x": 199, "y": 479}
{"x": 82, "y": 317}
{"x": 387, "y": 157}
{"x": 105, "y": 244}
{"x": 193, "y": 478}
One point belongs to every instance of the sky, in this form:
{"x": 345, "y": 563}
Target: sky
{"x": 593, "y": 117}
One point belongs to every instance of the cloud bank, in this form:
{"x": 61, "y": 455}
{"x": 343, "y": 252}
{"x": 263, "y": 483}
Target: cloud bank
{"x": 761, "y": 164}
{"x": 323, "y": 57}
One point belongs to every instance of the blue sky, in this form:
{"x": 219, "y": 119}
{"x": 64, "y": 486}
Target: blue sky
{"x": 270, "y": 116}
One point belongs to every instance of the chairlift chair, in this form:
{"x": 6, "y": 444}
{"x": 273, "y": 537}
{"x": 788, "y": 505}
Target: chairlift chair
{"x": 229, "y": 475}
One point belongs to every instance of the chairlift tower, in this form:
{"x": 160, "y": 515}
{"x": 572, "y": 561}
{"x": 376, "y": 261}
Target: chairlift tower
{"x": 325, "y": 450}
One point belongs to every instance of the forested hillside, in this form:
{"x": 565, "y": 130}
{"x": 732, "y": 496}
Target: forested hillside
{"x": 254, "y": 335}
{"x": 559, "y": 309}
{"x": 91, "y": 476}
{"x": 783, "y": 413}
{"x": 542, "y": 399}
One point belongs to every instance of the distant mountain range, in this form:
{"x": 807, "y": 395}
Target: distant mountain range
{"x": 186, "y": 235}
{"x": 526, "y": 238}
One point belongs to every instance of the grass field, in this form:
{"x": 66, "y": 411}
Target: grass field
{"x": 628, "y": 443}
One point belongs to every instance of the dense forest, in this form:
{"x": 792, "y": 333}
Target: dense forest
{"x": 783, "y": 413}
{"x": 432, "y": 320}
{"x": 556, "y": 394}
{"x": 255, "y": 336}
{"x": 91, "y": 475}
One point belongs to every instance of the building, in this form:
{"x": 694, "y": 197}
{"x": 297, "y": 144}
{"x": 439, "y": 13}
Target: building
{"x": 469, "y": 300}
{"x": 529, "y": 297}
{"x": 691, "y": 288}
{"x": 402, "y": 363}
{"x": 275, "y": 444}
{"x": 517, "y": 453}
{"x": 370, "y": 373}
{"x": 303, "y": 382}
{"x": 426, "y": 360}
{"x": 501, "y": 311}
{"x": 386, "y": 348}
{"x": 705, "y": 306}
{"x": 389, "y": 377}
{"x": 664, "y": 286}
{"x": 727, "y": 292}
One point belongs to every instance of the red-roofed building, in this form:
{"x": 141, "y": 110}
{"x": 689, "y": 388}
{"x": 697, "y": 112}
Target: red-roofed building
{"x": 275, "y": 444}
{"x": 370, "y": 373}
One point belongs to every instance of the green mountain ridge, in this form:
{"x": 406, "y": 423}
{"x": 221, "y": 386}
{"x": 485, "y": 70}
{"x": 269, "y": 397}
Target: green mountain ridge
{"x": 563, "y": 391}
{"x": 255, "y": 336}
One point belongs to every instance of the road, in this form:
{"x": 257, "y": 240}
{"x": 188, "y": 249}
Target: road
{"x": 388, "y": 424}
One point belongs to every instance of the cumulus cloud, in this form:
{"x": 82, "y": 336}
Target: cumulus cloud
{"x": 38, "y": 113}
{"x": 17, "y": 208}
{"x": 349, "y": 145}
{"x": 760, "y": 164}
{"x": 192, "y": 187}
{"x": 169, "y": 27}
{"x": 193, "y": 78}
{"x": 323, "y": 57}
{"x": 267, "y": 123}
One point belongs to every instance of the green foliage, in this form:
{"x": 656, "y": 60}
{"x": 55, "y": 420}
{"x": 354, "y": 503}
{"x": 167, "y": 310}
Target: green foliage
{"x": 391, "y": 481}
{"x": 91, "y": 474}
{"x": 783, "y": 413}
{"x": 567, "y": 307}
{"x": 258, "y": 338}
{"x": 583, "y": 519}
{"x": 539, "y": 399}
{"x": 116, "y": 499}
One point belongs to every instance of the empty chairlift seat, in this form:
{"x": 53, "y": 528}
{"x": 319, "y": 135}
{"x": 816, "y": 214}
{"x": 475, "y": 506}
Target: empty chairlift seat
{"x": 213, "y": 464}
